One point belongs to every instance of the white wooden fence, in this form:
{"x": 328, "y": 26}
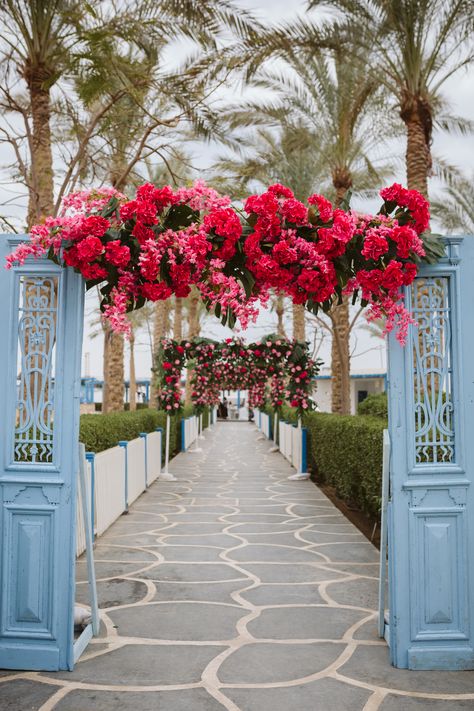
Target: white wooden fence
{"x": 263, "y": 422}
{"x": 115, "y": 478}
{"x": 292, "y": 443}
{"x": 189, "y": 431}
{"x": 291, "y": 439}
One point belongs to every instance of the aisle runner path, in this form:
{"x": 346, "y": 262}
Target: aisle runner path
{"x": 235, "y": 589}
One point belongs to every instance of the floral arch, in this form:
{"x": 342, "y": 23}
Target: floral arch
{"x": 285, "y": 365}
{"x": 166, "y": 240}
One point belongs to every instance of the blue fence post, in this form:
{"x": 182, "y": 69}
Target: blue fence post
{"x": 143, "y": 435}
{"x": 90, "y": 457}
{"x": 304, "y": 444}
{"x": 123, "y": 443}
{"x": 160, "y": 430}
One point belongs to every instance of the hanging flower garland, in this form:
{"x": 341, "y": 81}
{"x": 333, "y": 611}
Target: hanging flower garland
{"x": 232, "y": 365}
{"x": 171, "y": 361}
{"x": 164, "y": 241}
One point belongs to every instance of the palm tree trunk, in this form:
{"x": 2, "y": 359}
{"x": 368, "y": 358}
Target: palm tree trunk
{"x": 113, "y": 377}
{"x": 132, "y": 375}
{"x": 340, "y": 359}
{"x": 105, "y": 366}
{"x": 280, "y": 310}
{"x": 299, "y": 333}
{"x": 178, "y": 319}
{"x": 41, "y": 189}
{"x": 339, "y": 315}
{"x": 416, "y": 115}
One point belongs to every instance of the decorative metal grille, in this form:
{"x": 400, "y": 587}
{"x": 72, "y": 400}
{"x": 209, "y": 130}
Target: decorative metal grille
{"x": 432, "y": 365}
{"x": 35, "y": 399}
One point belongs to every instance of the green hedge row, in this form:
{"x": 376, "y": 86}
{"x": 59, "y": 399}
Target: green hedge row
{"x": 346, "y": 452}
{"x": 99, "y": 432}
{"x": 375, "y": 406}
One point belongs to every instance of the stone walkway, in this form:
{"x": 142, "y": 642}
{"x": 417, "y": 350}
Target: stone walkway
{"x": 235, "y": 589}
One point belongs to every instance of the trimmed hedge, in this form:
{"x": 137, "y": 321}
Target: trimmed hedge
{"x": 99, "y": 432}
{"x": 374, "y": 406}
{"x": 346, "y": 452}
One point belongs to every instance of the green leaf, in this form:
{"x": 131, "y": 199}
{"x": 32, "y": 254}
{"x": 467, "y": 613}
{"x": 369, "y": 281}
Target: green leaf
{"x": 180, "y": 216}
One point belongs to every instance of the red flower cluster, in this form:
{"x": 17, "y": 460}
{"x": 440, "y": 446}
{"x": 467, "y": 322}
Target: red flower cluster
{"x": 171, "y": 362}
{"x": 280, "y": 257}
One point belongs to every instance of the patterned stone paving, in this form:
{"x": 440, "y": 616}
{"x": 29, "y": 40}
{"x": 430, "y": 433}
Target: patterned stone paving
{"x": 234, "y": 588}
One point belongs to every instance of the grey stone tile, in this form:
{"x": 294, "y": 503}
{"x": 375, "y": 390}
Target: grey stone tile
{"x": 183, "y": 700}
{"x": 287, "y": 573}
{"x": 363, "y": 552}
{"x": 145, "y": 665}
{"x": 283, "y": 595}
{"x": 321, "y": 695}
{"x": 211, "y": 592}
{"x": 24, "y": 695}
{"x": 108, "y": 570}
{"x": 192, "y": 572}
{"x": 114, "y": 592}
{"x": 304, "y": 623}
{"x": 122, "y": 552}
{"x": 241, "y": 529}
{"x": 198, "y": 529}
{"x": 274, "y": 553}
{"x": 190, "y": 553}
{"x": 262, "y": 663}
{"x": 330, "y": 536}
{"x": 219, "y": 540}
{"x": 360, "y": 593}
{"x": 183, "y": 621}
{"x": 404, "y": 703}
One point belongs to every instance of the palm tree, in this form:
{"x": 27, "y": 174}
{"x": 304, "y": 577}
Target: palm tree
{"x": 46, "y": 44}
{"x": 178, "y": 319}
{"x": 415, "y": 46}
{"x": 455, "y": 210}
{"x": 338, "y": 110}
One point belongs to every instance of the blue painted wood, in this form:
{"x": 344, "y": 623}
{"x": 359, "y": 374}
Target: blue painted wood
{"x": 42, "y": 310}
{"x": 304, "y": 449}
{"x": 431, "y": 410}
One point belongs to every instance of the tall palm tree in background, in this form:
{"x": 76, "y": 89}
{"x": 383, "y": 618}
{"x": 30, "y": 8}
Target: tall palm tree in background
{"x": 415, "y": 46}
{"x": 339, "y": 113}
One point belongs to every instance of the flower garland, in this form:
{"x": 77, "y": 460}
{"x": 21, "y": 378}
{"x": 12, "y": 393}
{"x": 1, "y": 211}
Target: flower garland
{"x": 164, "y": 241}
{"x": 171, "y": 361}
{"x": 232, "y": 365}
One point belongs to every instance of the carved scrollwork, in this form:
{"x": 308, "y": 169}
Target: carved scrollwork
{"x": 432, "y": 367}
{"x": 33, "y": 439}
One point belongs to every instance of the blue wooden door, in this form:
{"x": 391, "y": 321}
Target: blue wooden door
{"x": 431, "y": 516}
{"x": 40, "y": 358}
